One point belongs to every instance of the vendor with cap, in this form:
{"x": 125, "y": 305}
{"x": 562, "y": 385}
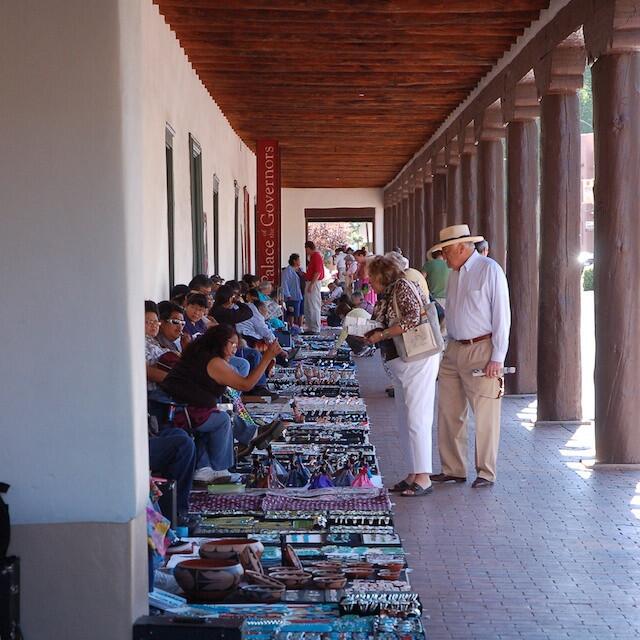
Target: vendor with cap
{"x": 478, "y": 323}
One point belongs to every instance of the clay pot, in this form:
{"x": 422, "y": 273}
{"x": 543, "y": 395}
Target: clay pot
{"x": 261, "y": 579}
{"x": 208, "y": 580}
{"x": 231, "y": 545}
{"x": 292, "y": 580}
{"x": 335, "y": 581}
{"x": 262, "y": 593}
{"x": 386, "y": 574}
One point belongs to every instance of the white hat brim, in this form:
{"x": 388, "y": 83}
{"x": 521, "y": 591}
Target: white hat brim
{"x": 448, "y": 243}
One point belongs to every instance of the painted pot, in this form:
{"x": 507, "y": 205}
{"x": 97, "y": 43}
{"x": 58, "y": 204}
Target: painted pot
{"x": 208, "y": 580}
{"x": 232, "y": 545}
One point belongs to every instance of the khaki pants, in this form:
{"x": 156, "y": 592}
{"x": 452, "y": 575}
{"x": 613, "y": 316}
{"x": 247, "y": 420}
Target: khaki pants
{"x": 312, "y": 304}
{"x": 458, "y": 390}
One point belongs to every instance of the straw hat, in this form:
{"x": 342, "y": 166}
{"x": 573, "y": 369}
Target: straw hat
{"x": 453, "y": 235}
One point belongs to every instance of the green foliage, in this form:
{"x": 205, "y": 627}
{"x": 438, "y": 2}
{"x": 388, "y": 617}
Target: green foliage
{"x": 587, "y": 278}
{"x": 586, "y": 104}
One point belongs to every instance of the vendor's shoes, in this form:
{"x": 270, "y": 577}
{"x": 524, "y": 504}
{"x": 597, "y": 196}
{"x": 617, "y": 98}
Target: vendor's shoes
{"x": 204, "y": 474}
{"x": 481, "y": 482}
{"x": 269, "y": 433}
{"x": 265, "y": 435}
{"x": 262, "y": 392}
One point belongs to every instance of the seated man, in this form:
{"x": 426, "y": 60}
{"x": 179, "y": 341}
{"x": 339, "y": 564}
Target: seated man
{"x": 359, "y": 302}
{"x": 335, "y": 291}
{"x": 152, "y": 350}
{"x": 172, "y": 454}
{"x": 195, "y": 310}
{"x": 171, "y": 335}
{"x": 275, "y": 311}
{"x": 256, "y": 328}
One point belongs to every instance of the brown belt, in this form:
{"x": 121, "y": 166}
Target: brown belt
{"x": 474, "y": 340}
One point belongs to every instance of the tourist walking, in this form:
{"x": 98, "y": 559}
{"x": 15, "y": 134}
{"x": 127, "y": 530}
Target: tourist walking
{"x": 400, "y": 308}
{"x": 436, "y": 272}
{"x": 478, "y": 323}
{"x": 362, "y": 282}
{"x": 312, "y": 297}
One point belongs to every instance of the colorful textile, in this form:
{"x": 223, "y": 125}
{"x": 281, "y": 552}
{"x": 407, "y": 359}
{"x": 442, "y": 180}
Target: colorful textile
{"x": 238, "y": 406}
{"x": 225, "y": 503}
{"x": 328, "y": 500}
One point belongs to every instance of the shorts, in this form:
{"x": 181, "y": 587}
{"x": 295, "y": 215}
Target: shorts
{"x": 294, "y": 308}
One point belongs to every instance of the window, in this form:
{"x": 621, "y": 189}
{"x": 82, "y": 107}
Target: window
{"x": 214, "y": 225}
{"x": 169, "y": 133}
{"x": 197, "y": 213}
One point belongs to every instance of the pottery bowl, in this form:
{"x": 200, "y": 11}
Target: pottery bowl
{"x": 208, "y": 580}
{"x": 231, "y": 545}
{"x": 335, "y": 581}
{"x": 386, "y": 574}
{"x": 292, "y": 580}
{"x": 285, "y": 570}
{"x": 263, "y": 580}
{"x": 262, "y": 593}
{"x": 220, "y": 556}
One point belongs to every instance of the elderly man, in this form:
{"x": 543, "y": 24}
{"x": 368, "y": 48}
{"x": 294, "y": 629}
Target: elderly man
{"x": 478, "y": 322}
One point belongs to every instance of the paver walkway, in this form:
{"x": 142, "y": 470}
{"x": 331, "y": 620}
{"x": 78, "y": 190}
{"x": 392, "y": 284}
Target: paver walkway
{"x": 551, "y": 551}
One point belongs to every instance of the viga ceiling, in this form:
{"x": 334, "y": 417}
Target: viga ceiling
{"x": 351, "y": 89}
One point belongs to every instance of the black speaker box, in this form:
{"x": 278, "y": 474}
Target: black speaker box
{"x": 10, "y": 598}
{"x": 168, "y": 502}
{"x": 185, "y": 628}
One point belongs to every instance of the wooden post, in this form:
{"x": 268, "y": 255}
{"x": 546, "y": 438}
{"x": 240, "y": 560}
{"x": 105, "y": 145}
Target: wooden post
{"x": 469, "y": 177}
{"x": 613, "y": 40}
{"x": 490, "y": 131}
{"x": 419, "y": 250}
{"x": 454, "y": 184}
{"x": 428, "y": 232}
{"x": 520, "y": 108}
{"x": 558, "y": 78}
{"x": 440, "y": 193}
{"x": 407, "y": 247}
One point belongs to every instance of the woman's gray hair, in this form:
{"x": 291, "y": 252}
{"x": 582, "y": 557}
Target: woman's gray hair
{"x": 402, "y": 262}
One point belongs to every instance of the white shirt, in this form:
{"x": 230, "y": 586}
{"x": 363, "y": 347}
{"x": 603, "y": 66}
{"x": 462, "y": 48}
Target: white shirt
{"x": 336, "y": 293}
{"x": 256, "y": 327}
{"x": 478, "y": 304}
{"x": 339, "y": 261}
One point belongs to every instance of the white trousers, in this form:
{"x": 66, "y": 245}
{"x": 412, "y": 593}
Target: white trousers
{"x": 312, "y": 303}
{"x": 414, "y": 385}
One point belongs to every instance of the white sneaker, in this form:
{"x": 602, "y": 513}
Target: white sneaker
{"x": 205, "y": 474}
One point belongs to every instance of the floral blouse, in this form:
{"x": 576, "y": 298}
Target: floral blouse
{"x": 410, "y": 302}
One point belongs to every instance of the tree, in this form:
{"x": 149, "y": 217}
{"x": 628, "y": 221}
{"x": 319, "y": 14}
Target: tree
{"x": 328, "y": 236}
{"x": 585, "y": 96}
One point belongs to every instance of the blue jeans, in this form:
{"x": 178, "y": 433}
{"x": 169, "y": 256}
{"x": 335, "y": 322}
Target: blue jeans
{"x": 173, "y": 453}
{"x": 254, "y": 357}
{"x": 241, "y": 365}
{"x": 214, "y": 442}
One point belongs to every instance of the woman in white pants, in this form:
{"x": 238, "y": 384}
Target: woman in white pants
{"x": 399, "y": 308}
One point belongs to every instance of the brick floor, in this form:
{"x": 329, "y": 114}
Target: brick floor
{"x": 551, "y": 551}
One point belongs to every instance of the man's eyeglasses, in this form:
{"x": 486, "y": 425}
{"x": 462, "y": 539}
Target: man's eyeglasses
{"x": 152, "y": 323}
{"x": 180, "y": 323}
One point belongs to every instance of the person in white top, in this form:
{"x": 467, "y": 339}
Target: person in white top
{"x": 339, "y": 261}
{"x": 478, "y": 322}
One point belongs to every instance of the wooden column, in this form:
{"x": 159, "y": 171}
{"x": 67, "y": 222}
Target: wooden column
{"x": 385, "y": 221}
{"x": 419, "y": 251}
{"x": 440, "y": 193}
{"x": 613, "y": 39}
{"x": 559, "y": 372}
{"x": 454, "y": 184}
{"x": 407, "y": 247}
{"x": 469, "y": 177}
{"x": 520, "y": 108}
{"x": 402, "y": 235}
{"x": 428, "y": 232}
{"x": 491, "y": 209}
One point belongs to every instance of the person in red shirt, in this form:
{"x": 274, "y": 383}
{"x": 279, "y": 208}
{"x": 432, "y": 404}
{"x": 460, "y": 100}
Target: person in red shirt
{"x": 312, "y": 298}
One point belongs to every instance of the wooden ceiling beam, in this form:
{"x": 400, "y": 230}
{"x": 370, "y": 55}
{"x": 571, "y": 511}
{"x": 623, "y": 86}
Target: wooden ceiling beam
{"x": 375, "y": 7}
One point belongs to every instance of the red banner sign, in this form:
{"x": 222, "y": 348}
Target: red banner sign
{"x": 268, "y": 211}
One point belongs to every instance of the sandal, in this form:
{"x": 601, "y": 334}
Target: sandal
{"x": 418, "y": 491}
{"x": 401, "y": 486}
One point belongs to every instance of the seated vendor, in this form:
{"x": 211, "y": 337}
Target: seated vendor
{"x": 198, "y": 380}
{"x": 195, "y": 310}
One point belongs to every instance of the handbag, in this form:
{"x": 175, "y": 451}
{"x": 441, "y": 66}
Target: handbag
{"x": 422, "y": 341}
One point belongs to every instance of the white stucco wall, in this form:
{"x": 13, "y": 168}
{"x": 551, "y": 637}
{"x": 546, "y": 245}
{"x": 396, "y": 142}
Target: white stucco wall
{"x": 295, "y": 201}
{"x": 172, "y": 93}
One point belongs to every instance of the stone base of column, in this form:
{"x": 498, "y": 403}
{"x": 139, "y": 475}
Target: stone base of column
{"x": 82, "y": 580}
{"x": 561, "y": 423}
{"x": 604, "y": 466}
